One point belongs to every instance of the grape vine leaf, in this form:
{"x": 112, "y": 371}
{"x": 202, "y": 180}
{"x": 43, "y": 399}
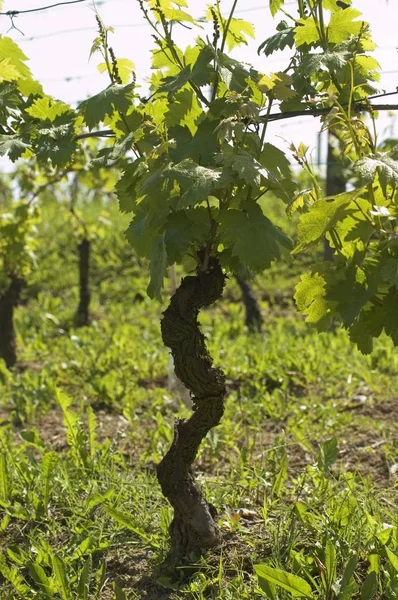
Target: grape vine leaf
{"x": 46, "y": 108}
{"x": 342, "y": 25}
{"x": 182, "y": 230}
{"x": 12, "y": 145}
{"x": 143, "y": 230}
{"x": 113, "y": 98}
{"x": 175, "y": 14}
{"x": 310, "y": 297}
{"x": 201, "y": 147}
{"x": 252, "y": 236}
{"x": 56, "y": 143}
{"x": 125, "y": 69}
{"x": 322, "y": 217}
{"x": 157, "y": 267}
{"x": 243, "y": 164}
{"x": 183, "y": 109}
{"x": 10, "y": 51}
{"x": 306, "y": 32}
{"x": 198, "y": 182}
{"x": 237, "y": 32}
{"x": 172, "y": 84}
{"x": 202, "y": 72}
{"x": 127, "y": 190}
{"x": 368, "y": 325}
{"x": 390, "y": 271}
{"x": 390, "y": 304}
{"x": 350, "y": 291}
{"x": 275, "y": 161}
{"x": 331, "y": 60}
{"x": 8, "y": 72}
{"x": 107, "y": 157}
{"x": 274, "y": 6}
{"x": 383, "y": 162}
{"x": 277, "y": 84}
{"x": 279, "y": 41}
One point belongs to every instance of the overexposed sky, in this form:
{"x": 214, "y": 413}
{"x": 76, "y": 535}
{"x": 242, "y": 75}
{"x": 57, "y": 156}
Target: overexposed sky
{"x": 58, "y": 41}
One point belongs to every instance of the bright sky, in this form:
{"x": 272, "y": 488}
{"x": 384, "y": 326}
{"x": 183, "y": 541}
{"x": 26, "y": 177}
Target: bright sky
{"x": 58, "y": 41}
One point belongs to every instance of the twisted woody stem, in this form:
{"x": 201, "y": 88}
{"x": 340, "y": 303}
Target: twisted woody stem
{"x": 193, "y": 527}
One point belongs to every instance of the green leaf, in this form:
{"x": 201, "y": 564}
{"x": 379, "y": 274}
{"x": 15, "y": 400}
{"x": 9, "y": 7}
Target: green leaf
{"x": 367, "y": 326}
{"x": 174, "y": 83}
{"x": 125, "y": 69}
{"x": 84, "y": 580}
{"x": 244, "y": 165}
{"x": 157, "y": 267}
{"x": 306, "y": 32}
{"x": 183, "y": 109}
{"x": 127, "y": 188}
{"x": 274, "y": 6}
{"x": 8, "y": 71}
{"x": 119, "y": 593}
{"x": 347, "y": 578}
{"x": 174, "y": 14}
{"x": 330, "y": 549}
{"x": 201, "y": 147}
{"x": 238, "y": 31}
{"x": 12, "y": 145}
{"x": 281, "y": 477}
{"x": 251, "y": 236}
{"x": 277, "y": 84}
{"x": 127, "y": 521}
{"x": 202, "y": 71}
{"x": 350, "y": 288}
{"x": 198, "y": 182}
{"x": 56, "y": 144}
{"x": 331, "y": 60}
{"x": 4, "y": 487}
{"x": 142, "y": 231}
{"x": 310, "y": 297}
{"x": 392, "y": 557}
{"x": 47, "y": 109}
{"x": 12, "y": 575}
{"x": 83, "y": 548}
{"x": 92, "y": 430}
{"x": 38, "y": 575}
{"x": 49, "y": 462}
{"x": 382, "y": 162}
{"x": 233, "y": 73}
{"x": 61, "y": 578}
{"x": 107, "y": 157}
{"x": 321, "y": 218}
{"x": 14, "y": 56}
{"x": 183, "y": 230}
{"x": 296, "y": 586}
{"x": 115, "y": 98}
{"x": 342, "y": 25}
{"x": 390, "y": 304}
{"x": 279, "y": 41}
{"x": 327, "y": 455}
{"x": 369, "y": 587}
{"x": 275, "y": 161}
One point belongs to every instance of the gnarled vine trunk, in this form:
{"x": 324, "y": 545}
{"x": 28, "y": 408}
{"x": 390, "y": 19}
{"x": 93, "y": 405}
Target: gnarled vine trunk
{"x": 254, "y": 318}
{"x": 194, "y": 526}
{"x": 8, "y": 302}
{"x": 83, "y": 309}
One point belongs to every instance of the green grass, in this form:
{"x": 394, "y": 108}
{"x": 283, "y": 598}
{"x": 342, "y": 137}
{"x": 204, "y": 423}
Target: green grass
{"x": 303, "y": 468}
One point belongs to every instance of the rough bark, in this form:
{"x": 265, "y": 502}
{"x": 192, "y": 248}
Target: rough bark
{"x": 83, "y": 309}
{"x": 8, "y": 303}
{"x": 254, "y": 318}
{"x": 194, "y": 527}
